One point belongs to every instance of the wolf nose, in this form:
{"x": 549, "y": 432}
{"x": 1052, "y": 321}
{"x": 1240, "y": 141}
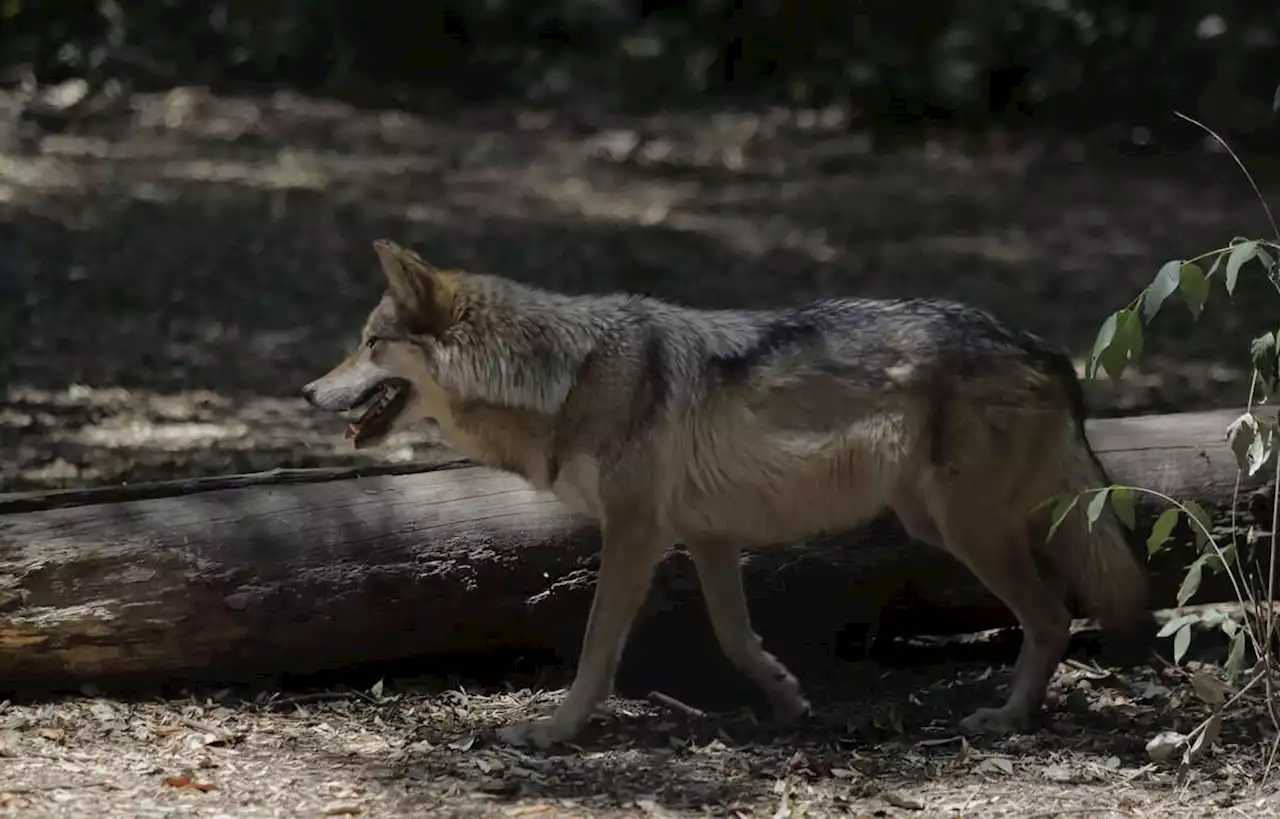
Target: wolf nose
{"x": 309, "y": 393}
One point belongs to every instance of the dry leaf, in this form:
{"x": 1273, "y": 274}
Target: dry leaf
{"x": 1204, "y": 740}
{"x": 651, "y": 807}
{"x": 103, "y": 711}
{"x": 904, "y": 802}
{"x": 376, "y": 690}
{"x": 53, "y": 734}
{"x": 1164, "y": 745}
{"x": 531, "y": 810}
{"x": 197, "y": 741}
{"x": 343, "y": 809}
{"x": 463, "y": 744}
{"x": 13, "y": 800}
{"x": 1209, "y": 688}
{"x": 9, "y": 741}
{"x": 997, "y": 763}
{"x": 185, "y": 781}
{"x": 1154, "y": 690}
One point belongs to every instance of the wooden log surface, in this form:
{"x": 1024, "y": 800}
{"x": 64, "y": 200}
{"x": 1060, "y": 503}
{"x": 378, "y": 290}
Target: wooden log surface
{"x": 228, "y": 579}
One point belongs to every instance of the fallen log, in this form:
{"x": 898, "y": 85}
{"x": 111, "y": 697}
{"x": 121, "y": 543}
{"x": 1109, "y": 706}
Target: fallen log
{"x": 229, "y": 579}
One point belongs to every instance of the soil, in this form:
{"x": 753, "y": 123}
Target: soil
{"x": 176, "y": 270}
{"x": 882, "y": 743}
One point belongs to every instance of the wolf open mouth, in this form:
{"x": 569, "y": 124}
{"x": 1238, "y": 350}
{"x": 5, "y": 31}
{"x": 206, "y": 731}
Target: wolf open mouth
{"x": 388, "y": 400}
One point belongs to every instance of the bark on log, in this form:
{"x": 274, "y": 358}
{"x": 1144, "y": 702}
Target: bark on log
{"x": 227, "y": 579}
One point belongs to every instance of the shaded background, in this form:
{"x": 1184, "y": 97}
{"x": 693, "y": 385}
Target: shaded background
{"x": 188, "y": 190}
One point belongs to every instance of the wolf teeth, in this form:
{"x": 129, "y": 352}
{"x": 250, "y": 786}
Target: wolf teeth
{"x": 388, "y": 395}
{"x": 385, "y": 397}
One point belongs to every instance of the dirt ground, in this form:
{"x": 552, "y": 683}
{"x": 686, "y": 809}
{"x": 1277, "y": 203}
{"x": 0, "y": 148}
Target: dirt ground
{"x": 173, "y": 273}
{"x": 885, "y": 746}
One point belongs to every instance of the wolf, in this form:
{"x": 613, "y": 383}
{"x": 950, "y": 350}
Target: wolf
{"x": 729, "y": 429}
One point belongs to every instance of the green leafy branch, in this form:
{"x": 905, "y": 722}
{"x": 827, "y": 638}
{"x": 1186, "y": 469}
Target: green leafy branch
{"x": 1120, "y": 338}
{"x": 1216, "y": 557}
{"x": 1253, "y": 439}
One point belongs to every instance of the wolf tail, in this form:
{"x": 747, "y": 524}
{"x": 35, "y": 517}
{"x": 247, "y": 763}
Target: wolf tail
{"x": 1101, "y": 567}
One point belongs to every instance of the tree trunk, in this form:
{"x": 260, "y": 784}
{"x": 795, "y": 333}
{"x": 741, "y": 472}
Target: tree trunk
{"x": 227, "y": 579}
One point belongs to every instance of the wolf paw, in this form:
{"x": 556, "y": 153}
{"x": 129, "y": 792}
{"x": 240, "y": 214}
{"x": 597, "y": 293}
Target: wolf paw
{"x": 541, "y": 733}
{"x": 995, "y": 721}
{"x": 790, "y": 709}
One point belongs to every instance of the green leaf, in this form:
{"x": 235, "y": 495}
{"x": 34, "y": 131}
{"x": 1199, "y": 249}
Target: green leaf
{"x": 1190, "y": 583}
{"x": 1260, "y": 448}
{"x": 1161, "y": 288}
{"x": 1240, "y": 435}
{"x": 1199, "y": 514}
{"x": 1235, "y": 656}
{"x": 1125, "y": 345}
{"x": 1240, "y": 254}
{"x": 1263, "y": 353}
{"x": 1229, "y": 627}
{"x": 1217, "y": 263}
{"x": 1060, "y": 512}
{"x": 1161, "y": 529}
{"x": 1106, "y": 334}
{"x": 1175, "y": 623}
{"x": 1213, "y": 562}
{"x": 1181, "y": 642}
{"x": 1212, "y": 617}
{"x": 1268, "y": 261}
{"x": 1094, "y": 510}
{"x": 1122, "y": 501}
{"x": 1194, "y": 286}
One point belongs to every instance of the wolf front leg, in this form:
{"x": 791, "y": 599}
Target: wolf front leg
{"x": 629, "y": 554}
{"x": 720, "y": 575}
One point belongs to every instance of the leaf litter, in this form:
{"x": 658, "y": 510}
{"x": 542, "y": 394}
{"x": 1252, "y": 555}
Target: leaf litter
{"x": 419, "y": 747}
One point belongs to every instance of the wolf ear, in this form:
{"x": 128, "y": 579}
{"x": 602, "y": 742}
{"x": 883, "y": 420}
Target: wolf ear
{"x": 419, "y": 289}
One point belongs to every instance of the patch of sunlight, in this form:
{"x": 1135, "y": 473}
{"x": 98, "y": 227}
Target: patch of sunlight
{"x": 36, "y": 172}
{"x": 285, "y": 173}
{"x": 116, "y": 418}
{"x": 136, "y": 432}
{"x": 660, "y": 204}
{"x": 293, "y": 169}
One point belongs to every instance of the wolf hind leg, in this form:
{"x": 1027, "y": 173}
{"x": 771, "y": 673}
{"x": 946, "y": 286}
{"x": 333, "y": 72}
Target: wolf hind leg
{"x": 720, "y": 576}
{"x": 1001, "y": 557}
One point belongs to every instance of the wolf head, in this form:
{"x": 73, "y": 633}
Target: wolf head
{"x": 443, "y": 341}
{"x": 392, "y": 375}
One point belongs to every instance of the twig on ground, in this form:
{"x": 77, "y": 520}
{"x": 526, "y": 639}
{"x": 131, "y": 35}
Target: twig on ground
{"x": 205, "y": 728}
{"x": 1093, "y": 671}
{"x": 672, "y": 702}
{"x": 320, "y": 696}
{"x": 1065, "y": 812}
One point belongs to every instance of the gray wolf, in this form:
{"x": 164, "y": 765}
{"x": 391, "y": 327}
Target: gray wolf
{"x": 725, "y": 429}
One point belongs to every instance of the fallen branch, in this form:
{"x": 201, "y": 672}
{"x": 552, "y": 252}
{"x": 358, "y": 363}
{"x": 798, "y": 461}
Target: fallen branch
{"x": 230, "y": 579}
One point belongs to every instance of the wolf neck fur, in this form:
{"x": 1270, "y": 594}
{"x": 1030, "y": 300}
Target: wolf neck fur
{"x": 530, "y": 360}
{"x": 508, "y": 394}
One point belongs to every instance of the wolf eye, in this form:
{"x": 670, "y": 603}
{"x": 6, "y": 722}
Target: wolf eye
{"x": 371, "y": 341}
